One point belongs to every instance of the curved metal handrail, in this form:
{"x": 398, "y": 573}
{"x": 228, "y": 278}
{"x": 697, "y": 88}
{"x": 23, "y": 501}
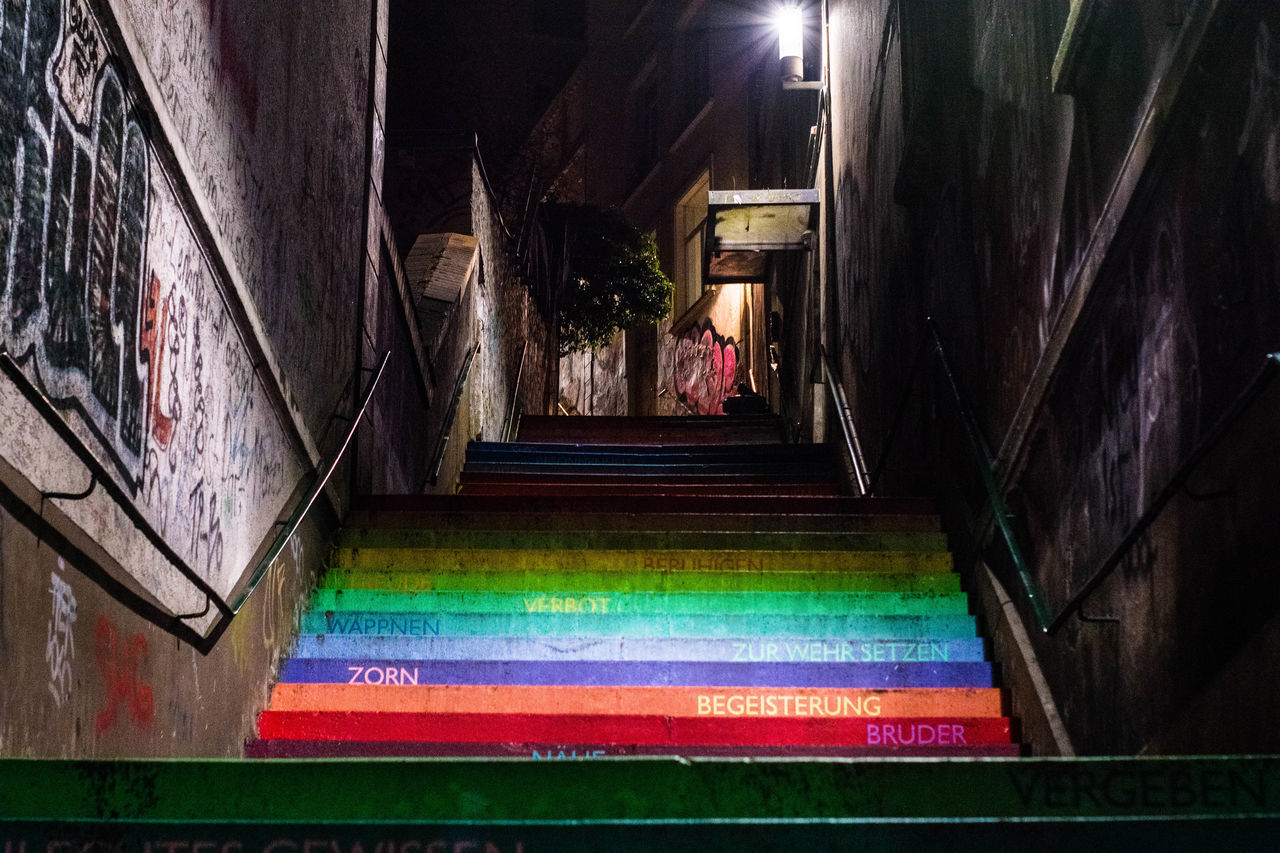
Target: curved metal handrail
{"x": 1251, "y": 391}
{"x": 174, "y": 624}
{"x": 1051, "y": 624}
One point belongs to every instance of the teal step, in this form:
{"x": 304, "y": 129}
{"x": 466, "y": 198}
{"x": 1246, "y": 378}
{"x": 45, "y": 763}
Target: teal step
{"x": 653, "y": 603}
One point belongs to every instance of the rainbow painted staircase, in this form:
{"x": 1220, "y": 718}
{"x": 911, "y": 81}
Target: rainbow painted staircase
{"x": 693, "y": 589}
{"x": 631, "y": 586}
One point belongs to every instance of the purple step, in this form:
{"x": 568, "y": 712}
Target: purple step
{"x": 637, "y": 673}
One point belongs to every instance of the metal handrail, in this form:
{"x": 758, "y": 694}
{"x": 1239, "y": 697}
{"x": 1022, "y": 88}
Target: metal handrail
{"x": 317, "y": 486}
{"x": 172, "y": 623}
{"x": 1000, "y": 513}
{"x": 982, "y": 456}
{"x": 446, "y": 427}
{"x": 99, "y": 476}
{"x": 509, "y": 424}
{"x": 847, "y": 427}
{"x": 1251, "y": 391}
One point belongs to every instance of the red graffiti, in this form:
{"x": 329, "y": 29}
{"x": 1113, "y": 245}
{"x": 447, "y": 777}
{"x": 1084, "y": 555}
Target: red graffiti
{"x": 705, "y": 369}
{"x": 119, "y": 664}
{"x": 152, "y": 346}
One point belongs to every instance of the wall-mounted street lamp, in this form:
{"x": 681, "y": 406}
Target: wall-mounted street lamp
{"x": 790, "y": 24}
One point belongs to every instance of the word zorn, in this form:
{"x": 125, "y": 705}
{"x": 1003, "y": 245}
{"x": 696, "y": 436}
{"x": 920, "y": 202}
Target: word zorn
{"x": 382, "y": 675}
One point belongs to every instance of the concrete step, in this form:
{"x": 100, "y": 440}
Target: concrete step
{"x": 707, "y": 649}
{"x": 634, "y": 540}
{"x": 577, "y": 751}
{"x": 642, "y": 700}
{"x": 622, "y": 625}
{"x": 712, "y": 488}
{"x": 658, "y": 604}
{"x": 696, "y": 429}
{"x": 389, "y": 508}
{"x": 635, "y": 731}
{"x": 567, "y": 673}
{"x": 655, "y": 560}
{"x": 571, "y": 801}
{"x": 548, "y": 582}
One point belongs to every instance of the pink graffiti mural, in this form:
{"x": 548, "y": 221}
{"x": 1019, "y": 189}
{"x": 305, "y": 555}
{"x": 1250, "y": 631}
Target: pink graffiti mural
{"x": 705, "y": 367}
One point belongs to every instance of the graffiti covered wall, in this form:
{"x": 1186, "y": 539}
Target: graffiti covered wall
{"x": 1096, "y": 241}
{"x": 181, "y": 254}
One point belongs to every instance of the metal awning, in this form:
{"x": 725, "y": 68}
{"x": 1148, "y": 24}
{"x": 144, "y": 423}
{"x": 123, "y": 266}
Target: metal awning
{"x": 743, "y": 226}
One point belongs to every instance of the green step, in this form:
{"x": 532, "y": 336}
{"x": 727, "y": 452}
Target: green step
{"x": 636, "y": 540}
{"x": 681, "y": 804}
{"x": 641, "y": 560}
{"x": 849, "y": 625}
{"x": 643, "y": 581}
{"x": 656, "y": 603}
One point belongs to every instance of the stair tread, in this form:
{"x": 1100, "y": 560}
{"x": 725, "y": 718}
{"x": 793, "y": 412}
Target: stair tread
{"x": 634, "y": 729}
{"x": 661, "y": 586}
{"x": 515, "y": 647}
{"x": 646, "y": 699}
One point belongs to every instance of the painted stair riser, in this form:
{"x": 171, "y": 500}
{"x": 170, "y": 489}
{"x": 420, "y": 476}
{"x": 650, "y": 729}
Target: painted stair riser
{"x": 635, "y": 673}
{"x": 488, "y": 451}
{"x": 598, "y": 516}
{"x": 792, "y": 472}
{"x": 403, "y": 510}
{"x": 634, "y": 729}
{"x": 560, "y": 582}
{"x": 712, "y": 484}
{"x": 644, "y": 700}
{"x": 654, "y": 603}
{"x": 626, "y": 625}
{"x": 636, "y": 561}
{"x": 710, "y": 492}
{"x": 727, "y": 650}
{"x": 578, "y": 752}
{"x": 698, "y": 541}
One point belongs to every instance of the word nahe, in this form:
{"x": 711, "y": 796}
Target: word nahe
{"x": 558, "y": 604}
{"x": 382, "y": 675}
{"x": 711, "y": 563}
{"x": 411, "y": 625}
{"x": 838, "y": 652}
{"x": 787, "y": 705}
{"x": 277, "y": 845}
{"x": 568, "y": 755}
{"x": 915, "y": 734}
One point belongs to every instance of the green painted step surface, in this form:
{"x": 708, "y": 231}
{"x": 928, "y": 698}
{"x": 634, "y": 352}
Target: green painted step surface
{"x": 655, "y": 560}
{"x": 849, "y": 625}
{"x": 643, "y": 581}
{"x": 621, "y": 792}
{"x": 655, "y": 603}
{"x": 631, "y": 540}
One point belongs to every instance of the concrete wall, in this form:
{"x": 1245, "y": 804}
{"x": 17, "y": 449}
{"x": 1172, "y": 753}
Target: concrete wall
{"x": 1101, "y": 263}
{"x": 182, "y": 273}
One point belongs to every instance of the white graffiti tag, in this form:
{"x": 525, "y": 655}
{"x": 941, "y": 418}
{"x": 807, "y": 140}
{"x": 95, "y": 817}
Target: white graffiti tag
{"x": 60, "y": 648}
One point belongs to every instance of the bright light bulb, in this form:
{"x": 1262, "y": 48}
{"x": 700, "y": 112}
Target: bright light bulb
{"x": 790, "y": 24}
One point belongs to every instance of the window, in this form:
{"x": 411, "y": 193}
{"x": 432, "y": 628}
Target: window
{"x": 697, "y": 72}
{"x": 691, "y": 216}
{"x": 644, "y": 135}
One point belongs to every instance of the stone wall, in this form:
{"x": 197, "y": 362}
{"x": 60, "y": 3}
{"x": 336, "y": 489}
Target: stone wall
{"x": 1100, "y": 259}
{"x": 182, "y": 270}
